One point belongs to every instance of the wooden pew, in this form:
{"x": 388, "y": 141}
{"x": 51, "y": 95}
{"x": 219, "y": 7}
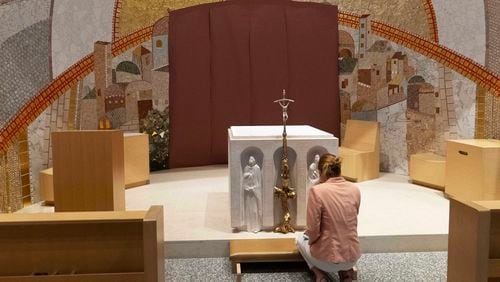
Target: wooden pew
{"x": 82, "y": 246}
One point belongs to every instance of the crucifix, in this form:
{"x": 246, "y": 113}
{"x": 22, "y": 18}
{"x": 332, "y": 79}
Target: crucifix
{"x": 285, "y": 192}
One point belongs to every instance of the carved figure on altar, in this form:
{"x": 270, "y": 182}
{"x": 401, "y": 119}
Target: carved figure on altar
{"x": 251, "y": 184}
{"x": 313, "y": 172}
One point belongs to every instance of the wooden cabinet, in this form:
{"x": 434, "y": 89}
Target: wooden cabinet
{"x": 474, "y": 241}
{"x": 88, "y": 170}
{"x": 473, "y": 169}
{"x": 136, "y": 159}
{"x": 83, "y": 246}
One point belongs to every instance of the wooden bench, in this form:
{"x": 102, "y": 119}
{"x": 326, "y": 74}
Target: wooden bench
{"x": 428, "y": 169}
{"x": 262, "y": 250}
{"x": 360, "y": 150}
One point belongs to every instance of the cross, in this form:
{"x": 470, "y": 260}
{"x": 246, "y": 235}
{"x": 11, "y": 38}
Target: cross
{"x": 284, "y": 103}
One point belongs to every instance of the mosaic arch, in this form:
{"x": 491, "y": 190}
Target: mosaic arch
{"x": 463, "y": 65}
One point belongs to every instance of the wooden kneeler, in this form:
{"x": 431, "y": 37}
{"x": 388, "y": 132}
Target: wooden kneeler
{"x": 262, "y": 250}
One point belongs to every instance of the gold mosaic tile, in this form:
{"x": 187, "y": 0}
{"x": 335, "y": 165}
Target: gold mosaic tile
{"x": 136, "y": 14}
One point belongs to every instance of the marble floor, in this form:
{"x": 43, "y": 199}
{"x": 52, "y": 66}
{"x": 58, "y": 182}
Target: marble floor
{"x": 395, "y": 215}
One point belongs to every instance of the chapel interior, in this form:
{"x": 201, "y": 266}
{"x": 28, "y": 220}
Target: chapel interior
{"x": 161, "y": 140}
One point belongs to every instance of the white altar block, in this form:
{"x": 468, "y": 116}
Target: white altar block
{"x": 264, "y": 143}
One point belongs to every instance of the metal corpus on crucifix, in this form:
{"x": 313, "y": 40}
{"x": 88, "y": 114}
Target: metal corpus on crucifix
{"x": 285, "y": 192}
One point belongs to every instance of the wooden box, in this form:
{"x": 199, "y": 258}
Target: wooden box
{"x": 136, "y": 159}
{"x": 83, "y": 246}
{"x": 474, "y": 241}
{"x": 88, "y": 170}
{"x": 473, "y": 169}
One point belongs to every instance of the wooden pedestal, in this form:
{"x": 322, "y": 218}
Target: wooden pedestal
{"x": 88, "y": 170}
{"x": 136, "y": 159}
{"x": 473, "y": 169}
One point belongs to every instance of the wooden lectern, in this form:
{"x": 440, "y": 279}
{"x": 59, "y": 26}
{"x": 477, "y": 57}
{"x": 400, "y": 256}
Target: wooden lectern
{"x": 88, "y": 170}
{"x": 474, "y": 240}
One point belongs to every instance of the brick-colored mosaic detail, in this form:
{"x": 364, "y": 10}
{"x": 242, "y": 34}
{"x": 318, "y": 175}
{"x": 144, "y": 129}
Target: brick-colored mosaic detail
{"x": 50, "y": 93}
{"x": 123, "y": 44}
{"x": 459, "y": 63}
{"x": 492, "y": 116}
{"x": 480, "y": 123}
{"x": 10, "y": 179}
{"x": 348, "y": 19}
{"x": 3, "y": 183}
{"x": 431, "y": 19}
{"x": 116, "y": 18}
{"x": 24, "y": 167}
{"x": 71, "y": 114}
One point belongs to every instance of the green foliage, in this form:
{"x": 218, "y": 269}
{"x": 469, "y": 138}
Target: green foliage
{"x": 128, "y": 66}
{"x": 156, "y": 126}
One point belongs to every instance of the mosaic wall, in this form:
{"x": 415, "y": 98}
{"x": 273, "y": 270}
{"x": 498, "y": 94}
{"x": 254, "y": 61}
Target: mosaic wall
{"x": 24, "y": 45}
{"x": 462, "y": 27}
{"x": 75, "y": 26}
{"x": 419, "y": 100}
{"x": 24, "y": 54}
{"x": 492, "y": 102}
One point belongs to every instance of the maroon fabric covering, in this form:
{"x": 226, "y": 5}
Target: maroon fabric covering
{"x": 229, "y": 61}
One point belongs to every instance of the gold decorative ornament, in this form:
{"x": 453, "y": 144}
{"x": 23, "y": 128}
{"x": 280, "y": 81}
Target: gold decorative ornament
{"x": 285, "y": 192}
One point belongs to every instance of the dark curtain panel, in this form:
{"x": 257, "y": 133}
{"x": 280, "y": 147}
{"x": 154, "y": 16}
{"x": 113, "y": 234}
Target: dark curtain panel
{"x": 229, "y": 61}
{"x": 231, "y": 81}
{"x": 190, "y": 110}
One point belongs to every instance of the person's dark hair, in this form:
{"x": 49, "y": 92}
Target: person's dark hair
{"x": 329, "y": 166}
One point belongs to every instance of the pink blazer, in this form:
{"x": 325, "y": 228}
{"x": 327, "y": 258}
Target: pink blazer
{"x": 332, "y": 221}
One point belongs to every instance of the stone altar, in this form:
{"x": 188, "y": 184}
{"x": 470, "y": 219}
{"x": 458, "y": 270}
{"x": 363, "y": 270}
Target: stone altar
{"x": 264, "y": 143}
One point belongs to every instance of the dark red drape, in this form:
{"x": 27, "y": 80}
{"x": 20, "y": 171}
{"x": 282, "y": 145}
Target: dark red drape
{"x": 229, "y": 61}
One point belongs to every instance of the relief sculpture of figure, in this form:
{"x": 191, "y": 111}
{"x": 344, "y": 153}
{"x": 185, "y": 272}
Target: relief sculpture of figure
{"x": 313, "y": 172}
{"x": 251, "y": 184}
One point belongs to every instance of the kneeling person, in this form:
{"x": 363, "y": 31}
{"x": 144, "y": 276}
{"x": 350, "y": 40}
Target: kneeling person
{"x": 330, "y": 242}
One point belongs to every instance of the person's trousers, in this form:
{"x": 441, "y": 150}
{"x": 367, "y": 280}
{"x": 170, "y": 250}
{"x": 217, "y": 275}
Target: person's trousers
{"x": 303, "y": 246}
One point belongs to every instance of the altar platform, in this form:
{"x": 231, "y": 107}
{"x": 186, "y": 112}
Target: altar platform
{"x": 395, "y": 215}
